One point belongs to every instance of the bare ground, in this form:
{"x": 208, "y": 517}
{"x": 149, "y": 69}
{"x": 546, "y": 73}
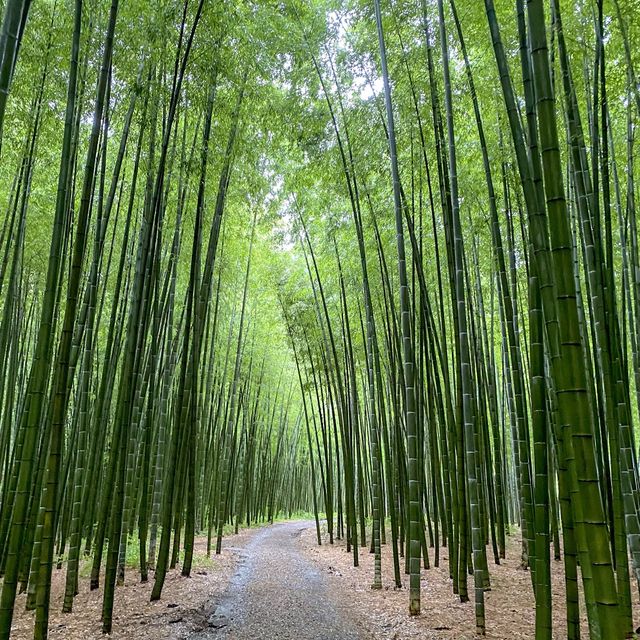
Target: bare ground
{"x": 185, "y": 607}
{"x": 275, "y": 582}
{"x": 510, "y": 606}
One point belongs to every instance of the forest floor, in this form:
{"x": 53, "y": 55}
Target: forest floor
{"x": 264, "y": 585}
{"x": 275, "y": 582}
{"x": 184, "y": 609}
{"x": 509, "y": 605}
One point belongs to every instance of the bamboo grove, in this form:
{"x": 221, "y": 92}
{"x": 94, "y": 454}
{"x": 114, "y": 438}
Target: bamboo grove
{"x": 375, "y": 260}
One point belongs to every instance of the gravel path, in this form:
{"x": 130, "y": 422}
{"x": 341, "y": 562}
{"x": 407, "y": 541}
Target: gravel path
{"x": 276, "y": 593}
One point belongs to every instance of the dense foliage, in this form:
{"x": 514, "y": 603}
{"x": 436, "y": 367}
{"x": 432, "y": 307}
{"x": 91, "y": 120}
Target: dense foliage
{"x": 373, "y": 260}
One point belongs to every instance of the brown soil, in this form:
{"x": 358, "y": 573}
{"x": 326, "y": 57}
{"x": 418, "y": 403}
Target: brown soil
{"x": 185, "y": 606}
{"x": 510, "y": 608}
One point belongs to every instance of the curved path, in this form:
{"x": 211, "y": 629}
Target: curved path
{"x": 276, "y": 593}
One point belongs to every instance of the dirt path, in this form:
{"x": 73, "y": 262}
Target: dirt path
{"x": 274, "y": 582}
{"x": 276, "y": 592}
